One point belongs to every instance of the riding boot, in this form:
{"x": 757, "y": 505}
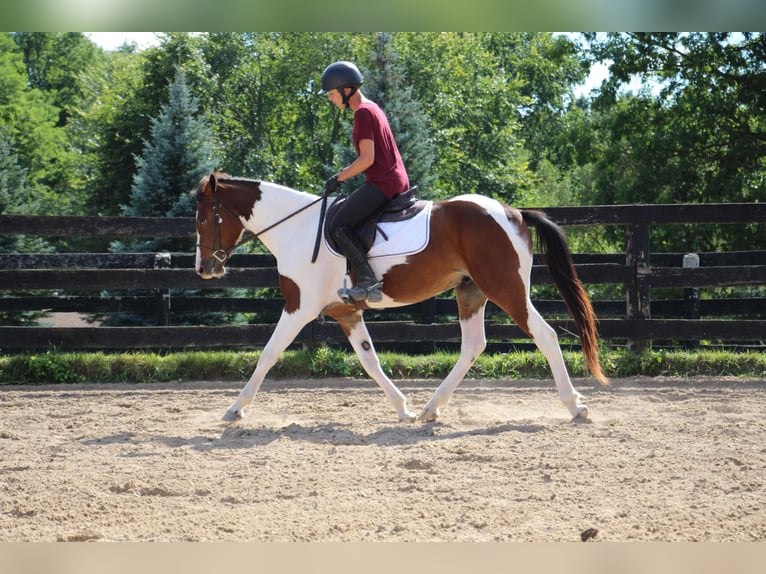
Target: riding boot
{"x": 366, "y": 287}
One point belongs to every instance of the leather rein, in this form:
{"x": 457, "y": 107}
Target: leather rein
{"x": 222, "y": 255}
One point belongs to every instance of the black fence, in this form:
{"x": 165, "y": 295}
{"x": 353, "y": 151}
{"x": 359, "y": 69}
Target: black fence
{"x": 153, "y": 284}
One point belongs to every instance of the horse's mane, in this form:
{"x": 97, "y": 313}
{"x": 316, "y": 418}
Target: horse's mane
{"x": 224, "y": 181}
{"x": 232, "y": 179}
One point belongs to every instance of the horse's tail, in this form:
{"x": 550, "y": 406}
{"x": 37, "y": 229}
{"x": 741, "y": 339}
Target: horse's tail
{"x": 553, "y": 245}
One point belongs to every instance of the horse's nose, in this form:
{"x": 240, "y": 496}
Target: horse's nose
{"x": 203, "y": 272}
{"x": 208, "y": 270}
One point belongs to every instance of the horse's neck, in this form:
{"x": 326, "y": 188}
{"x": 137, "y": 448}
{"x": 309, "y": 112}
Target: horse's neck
{"x": 287, "y": 211}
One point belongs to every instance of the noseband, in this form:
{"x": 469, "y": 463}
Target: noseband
{"x": 219, "y": 253}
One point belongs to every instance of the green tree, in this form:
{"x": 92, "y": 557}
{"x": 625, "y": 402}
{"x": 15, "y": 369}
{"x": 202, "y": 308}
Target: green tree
{"x": 121, "y": 93}
{"x": 386, "y": 85}
{"x": 698, "y": 136}
{"x": 263, "y": 105}
{"x": 54, "y": 62}
{"x": 40, "y": 148}
{"x": 178, "y": 153}
{"x": 547, "y": 68}
{"x": 15, "y": 198}
{"x": 108, "y": 129}
{"x": 471, "y": 105}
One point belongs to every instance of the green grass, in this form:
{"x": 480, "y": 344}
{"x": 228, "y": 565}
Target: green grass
{"x": 143, "y": 367}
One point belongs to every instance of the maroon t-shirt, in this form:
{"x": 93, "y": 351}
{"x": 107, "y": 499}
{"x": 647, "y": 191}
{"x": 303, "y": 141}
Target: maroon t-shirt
{"x": 387, "y": 171}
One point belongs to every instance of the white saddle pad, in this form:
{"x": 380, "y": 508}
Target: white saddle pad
{"x": 400, "y": 237}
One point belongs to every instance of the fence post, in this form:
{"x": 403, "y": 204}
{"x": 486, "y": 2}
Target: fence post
{"x": 426, "y": 311}
{"x": 162, "y": 260}
{"x": 691, "y": 296}
{"x": 638, "y": 292}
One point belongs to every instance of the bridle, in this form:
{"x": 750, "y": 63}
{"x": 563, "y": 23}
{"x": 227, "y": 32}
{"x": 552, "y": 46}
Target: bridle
{"x": 219, "y": 253}
{"x": 222, "y": 255}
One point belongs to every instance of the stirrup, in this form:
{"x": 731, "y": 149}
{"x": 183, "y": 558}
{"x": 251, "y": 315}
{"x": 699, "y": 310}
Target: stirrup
{"x": 357, "y": 293}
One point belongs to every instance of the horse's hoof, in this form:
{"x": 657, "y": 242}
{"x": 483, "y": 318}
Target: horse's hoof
{"x": 581, "y": 417}
{"x": 231, "y": 416}
{"x": 408, "y": 417}
{"x": 429, "y": 415}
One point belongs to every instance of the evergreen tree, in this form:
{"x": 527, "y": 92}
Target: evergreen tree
{"x": 386, "y": 85}
{"x": 178, "y": 154}
{"x": 12, "y": 184}
{"x": 109, "y": 128}
{"x": 14, "y": 198}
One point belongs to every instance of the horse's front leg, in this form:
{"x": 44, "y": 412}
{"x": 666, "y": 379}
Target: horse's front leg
{"x": 353, "y": 326}
{"x": 287, "y": 329}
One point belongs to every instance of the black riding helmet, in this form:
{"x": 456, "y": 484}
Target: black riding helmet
{"x": 339, "y": 75}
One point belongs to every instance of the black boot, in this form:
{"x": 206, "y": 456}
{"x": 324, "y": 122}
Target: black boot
{"x": 367, "y": 287}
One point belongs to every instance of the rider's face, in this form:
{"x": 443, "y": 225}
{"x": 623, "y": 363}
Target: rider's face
{"x": 335, "y": 97}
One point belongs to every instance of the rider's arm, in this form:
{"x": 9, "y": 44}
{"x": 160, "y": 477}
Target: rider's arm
{"x": 361, "y": 163}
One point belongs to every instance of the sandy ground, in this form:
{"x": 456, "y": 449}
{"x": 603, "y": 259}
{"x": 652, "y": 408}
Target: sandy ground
{"x": 325, "y": 460}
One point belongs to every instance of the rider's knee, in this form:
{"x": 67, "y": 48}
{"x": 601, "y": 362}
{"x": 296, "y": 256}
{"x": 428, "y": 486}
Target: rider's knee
{"x": 341, "y": 232}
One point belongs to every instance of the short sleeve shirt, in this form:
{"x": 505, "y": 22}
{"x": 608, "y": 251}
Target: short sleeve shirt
{"x": 387, "y": 171}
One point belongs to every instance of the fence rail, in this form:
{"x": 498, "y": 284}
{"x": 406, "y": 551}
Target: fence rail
{"x": 74, "y": 282}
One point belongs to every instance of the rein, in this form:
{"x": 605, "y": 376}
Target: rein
{"x": 222, "y": 255}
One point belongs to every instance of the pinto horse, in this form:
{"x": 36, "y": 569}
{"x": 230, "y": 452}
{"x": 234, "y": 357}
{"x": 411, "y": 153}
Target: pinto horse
{"x": 477, "y": 246}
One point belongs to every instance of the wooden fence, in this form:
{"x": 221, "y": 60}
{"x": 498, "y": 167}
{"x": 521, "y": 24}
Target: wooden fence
{"x": 149, "y": 284}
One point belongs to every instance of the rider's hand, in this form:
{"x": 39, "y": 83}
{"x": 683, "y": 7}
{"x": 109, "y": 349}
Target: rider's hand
{"x": 332, "y": 185}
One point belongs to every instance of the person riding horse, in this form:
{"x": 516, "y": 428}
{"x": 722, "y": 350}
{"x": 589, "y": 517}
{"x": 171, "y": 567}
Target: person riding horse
{"x": 378, "y": 158}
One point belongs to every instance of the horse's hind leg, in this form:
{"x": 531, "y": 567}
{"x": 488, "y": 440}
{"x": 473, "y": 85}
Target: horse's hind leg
{"x": 548, "y": 342}
{"x": 517, "y": 303}
{"x": 471, "y": 303}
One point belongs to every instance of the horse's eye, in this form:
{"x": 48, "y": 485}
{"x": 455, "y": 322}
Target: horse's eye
{"x": 203, "y": 220}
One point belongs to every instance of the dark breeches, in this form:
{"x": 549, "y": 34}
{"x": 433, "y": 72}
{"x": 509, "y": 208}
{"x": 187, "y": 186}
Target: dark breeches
{"x": 358, "y": 206}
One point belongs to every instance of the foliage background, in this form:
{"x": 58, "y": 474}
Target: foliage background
{"x": 680, "y": 118}
{"x": 487, "y": 112}
{"x": 508, "y": 15}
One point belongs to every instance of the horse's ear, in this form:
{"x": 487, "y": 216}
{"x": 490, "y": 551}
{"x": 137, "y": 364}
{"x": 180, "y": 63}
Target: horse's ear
{"x": 212, "y": 182}
{"x": 217, "y": 174}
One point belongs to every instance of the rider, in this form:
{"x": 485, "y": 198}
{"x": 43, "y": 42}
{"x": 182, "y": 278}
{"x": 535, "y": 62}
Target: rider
{"x": 377, "y": 157}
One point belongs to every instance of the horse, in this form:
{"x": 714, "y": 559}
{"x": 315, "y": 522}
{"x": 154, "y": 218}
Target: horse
{"x": 476, "y": 245}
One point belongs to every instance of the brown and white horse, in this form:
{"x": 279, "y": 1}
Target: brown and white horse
{"x": 477, "y": 246}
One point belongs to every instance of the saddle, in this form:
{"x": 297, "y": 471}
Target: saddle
{"x": 401, "y": 208}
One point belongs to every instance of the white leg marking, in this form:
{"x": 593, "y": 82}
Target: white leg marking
{"x": 360, "y": 340}
{"x": 472, "y": 344}
{"x": 548, "y": 342}
{"x": 287, "y": 329}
